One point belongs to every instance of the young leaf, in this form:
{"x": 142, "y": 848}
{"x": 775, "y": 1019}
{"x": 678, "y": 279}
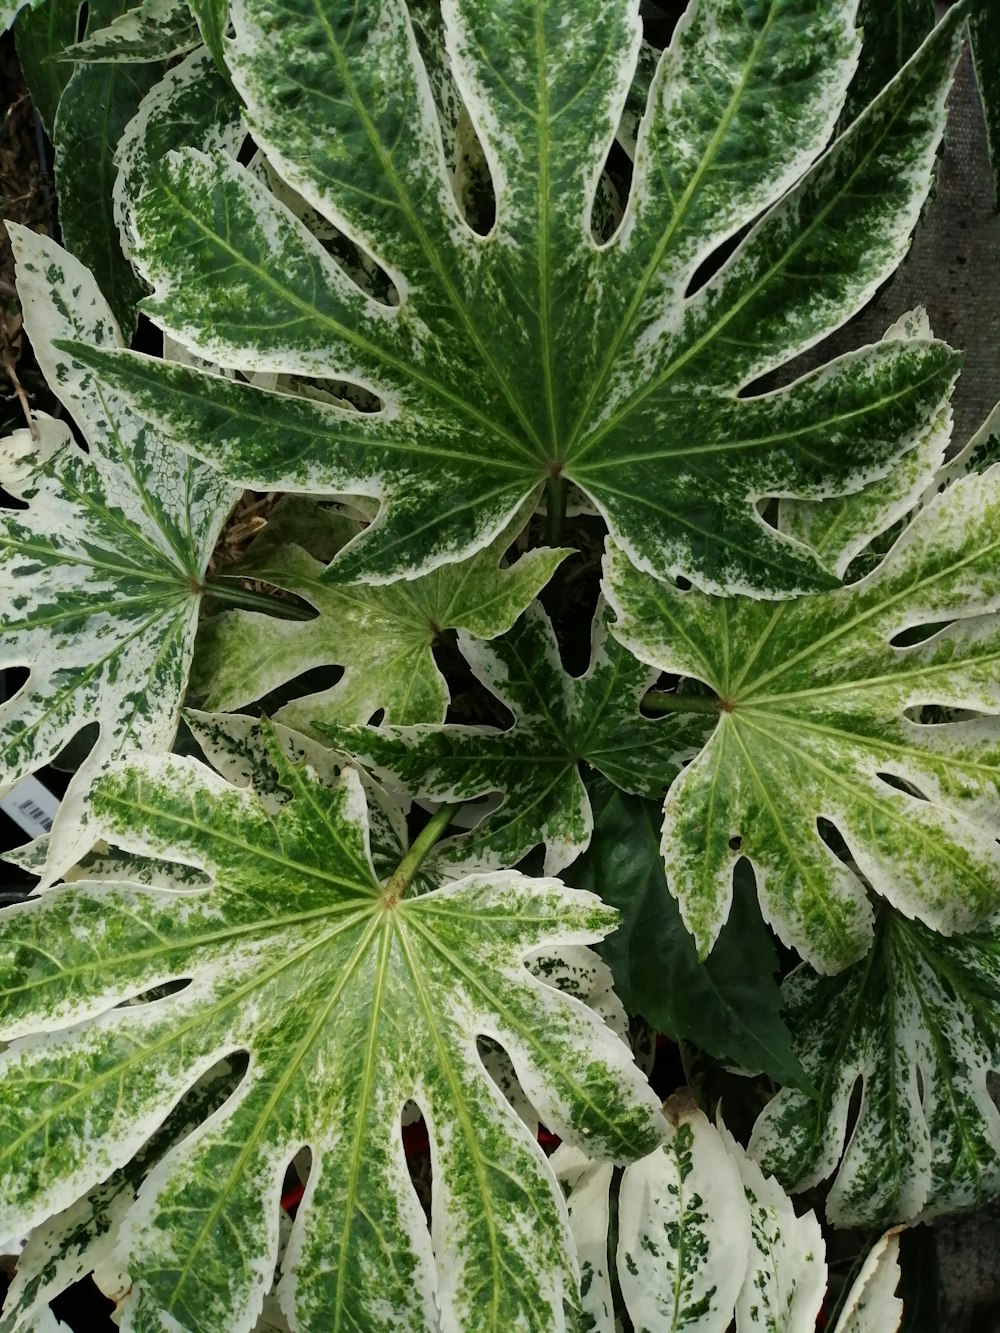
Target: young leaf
{"x": 105, "y": 566}
{"x": 352, "y": 999}
{"x": 381, "y": 636}
{"x": 816, "y": 720}
{"x": 704, "y": 1236}
{"x": 728, "y": 1004}
{"x": 684, "y": 1237}
{"x": 533, "y": 355}
{"x": 561, "y": 721}
{"x": 918, "y": 1023}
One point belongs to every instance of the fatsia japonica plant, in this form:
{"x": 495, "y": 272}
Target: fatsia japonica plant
{"x": 521, "y": 682}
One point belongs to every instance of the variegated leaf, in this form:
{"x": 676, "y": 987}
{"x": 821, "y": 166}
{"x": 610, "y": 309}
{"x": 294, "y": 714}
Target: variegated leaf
{"x": 532, "y": 354}
{"x": 817, "y": 719}
{"x": 81, "y": 1239}
{"x": 704, "y": 1237}
{"x": 917, "y": 1023}
{"x": 192, "y": 104}
{"x": 352, "y": 999}
{"x": 985, "y": 32}
{"x": 561, "y": 721}
{"x": 85, "y": 146}
{"x": 102, "y": 573}
{"x": 382, "y": 636}
{"x": 152, "y": 30}
{"x": 10, "y": 9}
{"x": 786, "y": 1275}
{"x": 213, "y": 18}
{"x": 684, "y": 1236}
{"x": 872, "y": 1305}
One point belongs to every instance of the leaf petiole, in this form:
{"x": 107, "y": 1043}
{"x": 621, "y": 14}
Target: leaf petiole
{"x": 224, "y": 588}
{"x": 402, "y": 878}
{"x": 556, "y": 494}
{"x": 659, "y": 701}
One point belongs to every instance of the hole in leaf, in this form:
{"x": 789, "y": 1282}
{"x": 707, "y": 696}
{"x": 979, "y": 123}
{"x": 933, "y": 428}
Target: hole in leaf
{"x": 417, "y": 1151}
{"x": 659, "y": 19}
{"x": 901, "y": 784}
{"x": 314, "y": 681}
{"x": 81, "y": 21}
{"x": 918, "y": 1074}
{"x": 82, "y": 1306}
{"x": 248, "y": 149}
{"x": 735, "y": 842}
{"x": 8, "y": 501}
{"x": 611, "y": 197}
{"x": 830, "y": 835}
{"x": 12, "y": 681}
{"x": 75, "y": 751}
{"x": 711, "y": 264}
{"x": 156, "y": 994}
{"x": 936, "y": 715}
{"x": 473, "y": 180}
{"x": 914, "y": 634}
{"x": 296, "y": 1179}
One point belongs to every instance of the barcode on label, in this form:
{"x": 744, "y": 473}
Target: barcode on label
{"x": 31, "y": 806}
{"x": 36, "y": 814}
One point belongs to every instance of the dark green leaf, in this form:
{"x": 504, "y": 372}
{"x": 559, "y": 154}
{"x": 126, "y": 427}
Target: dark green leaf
{"x": 728, "y": 1005}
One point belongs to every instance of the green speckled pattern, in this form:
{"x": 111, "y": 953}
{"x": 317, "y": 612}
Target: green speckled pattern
{"x": 561, "y": 722}
{"x": 534, "y": 351}
{"x": 350, "y": 1001}
{"x": 101, "y": 573}
{"x": 819, "y": 719}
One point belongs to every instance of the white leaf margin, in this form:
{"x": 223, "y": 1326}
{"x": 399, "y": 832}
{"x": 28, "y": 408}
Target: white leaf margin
{"x": 758, "y": 1261}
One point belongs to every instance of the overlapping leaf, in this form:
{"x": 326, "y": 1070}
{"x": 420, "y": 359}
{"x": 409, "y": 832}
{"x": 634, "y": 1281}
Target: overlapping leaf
{"x": 728, "y": 1005}
{"x": 817, "y": 723}
{"x": 352, "y": 1000}
{"x": 533, "y": 354}
{"x": 561, "y": 722}
{"x": 150, "y": 30}
{"x": 81, "y": 1239}
{"x": 102, "y": 572}
{"x": 382, "y": 637}
{"x": 917, "y": 1023}
{"x": 704, "y": 1237}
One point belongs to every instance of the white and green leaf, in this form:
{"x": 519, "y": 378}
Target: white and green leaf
{"x": 103, "y": 570}
{"x": 533, "y": 354}
{"x": 706, "y": 1239}
{"x": 151, "y": 30}
{"x": 351, "y": 1000}
{"x": 561, "y": 722}
{"x": 382, "y": 637}
{"x": 817, "y": 705}
{"x": 81, "y": 1239}
{"x": 917, "y": 1025}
